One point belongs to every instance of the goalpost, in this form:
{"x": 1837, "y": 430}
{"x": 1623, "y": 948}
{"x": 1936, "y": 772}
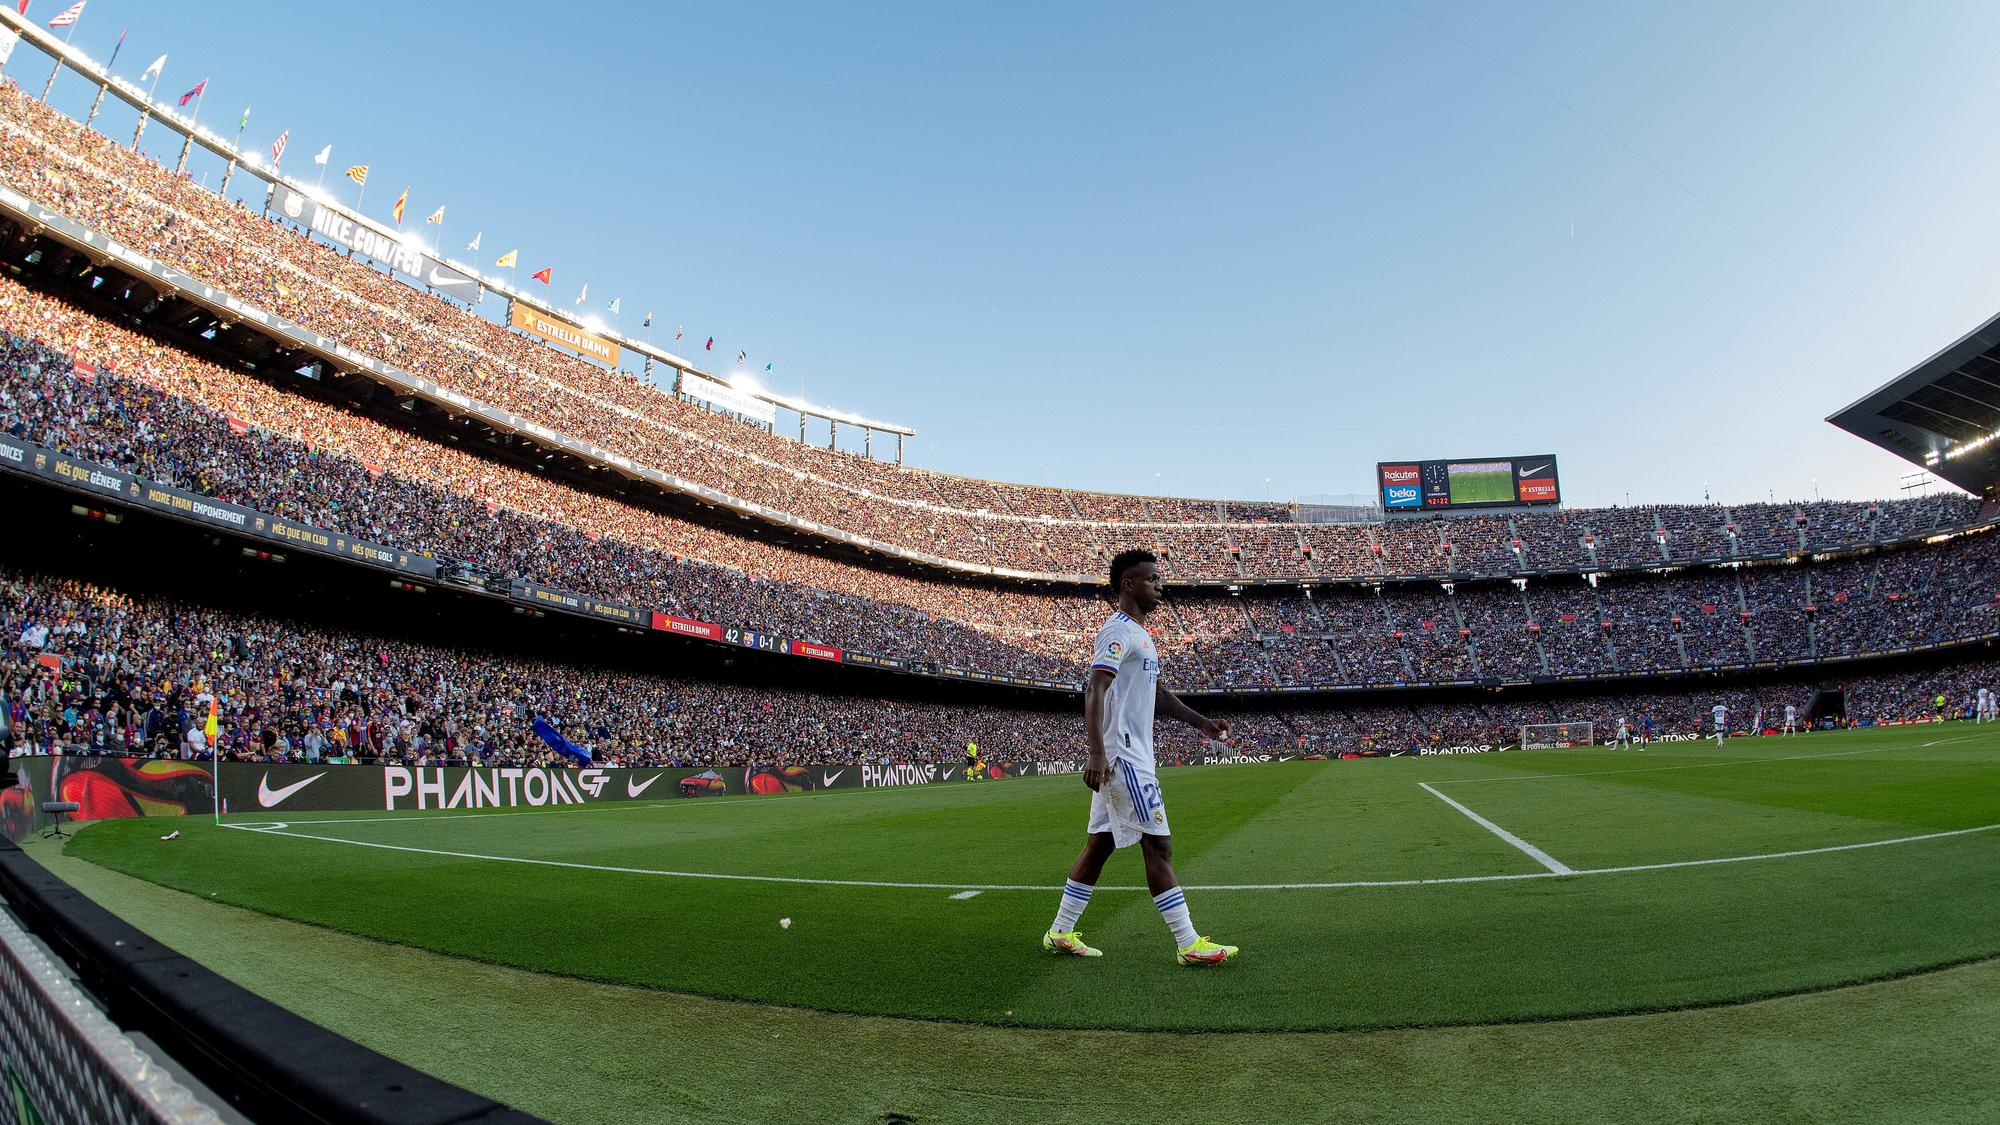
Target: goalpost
{"x": 1557, "y": 736}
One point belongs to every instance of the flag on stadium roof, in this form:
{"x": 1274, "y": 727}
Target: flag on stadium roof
{"x": 583, "y": 293}
{"x": 546, "y": 275}
{"x": 245, "y": 123}
{"x": 68, "y": 16}
{"x": 474, "y": 244}
{"x": 679, "y": 331}
{"x": 200, "y": 88}
{"x": 506, "y": 261}
{"x": 358, "y": 173}
{"x": 320, "y": 157}
{"x": 710, "y": 346}
{"x": 767, "y": 369}
{"x": 614, "y": 305}
{"x": 153, "y": 71}
{"x": 278, "y": 147}
{"x": 402, "y": 201}
{"x": 741, "y": 356}
{"x": 436, "y": 216}
{"x": 648, "y": 323}
{"x": 114, "y": 51}
{"x": 23, "y": 7}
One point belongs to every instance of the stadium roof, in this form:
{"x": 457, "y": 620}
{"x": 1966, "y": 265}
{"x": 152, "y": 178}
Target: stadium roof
{"x": 1943, "y": 414}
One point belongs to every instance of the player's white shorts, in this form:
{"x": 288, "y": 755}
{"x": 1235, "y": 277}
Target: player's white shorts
{"x": 1128, "y": 805}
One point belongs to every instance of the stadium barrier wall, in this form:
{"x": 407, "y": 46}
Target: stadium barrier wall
{"x": 266, "y": 1062}
{"x": 111, "y": 788}
{"x": 64, "y": 1061}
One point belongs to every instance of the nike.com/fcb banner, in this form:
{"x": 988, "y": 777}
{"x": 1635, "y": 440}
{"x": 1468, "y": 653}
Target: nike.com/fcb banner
{"x": 396, "y": 253}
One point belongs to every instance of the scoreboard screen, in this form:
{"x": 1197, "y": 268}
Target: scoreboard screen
{"x": 1487, "y": 482}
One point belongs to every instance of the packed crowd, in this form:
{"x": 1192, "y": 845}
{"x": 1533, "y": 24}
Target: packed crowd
{"x": 1044, "y": 530}
{"x": 86, "y": 668}
{"x": 163, "y": 414}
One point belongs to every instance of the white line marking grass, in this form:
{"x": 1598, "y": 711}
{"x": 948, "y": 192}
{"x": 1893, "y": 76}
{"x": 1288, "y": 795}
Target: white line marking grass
{"x": 282, "y": 830}
{"x": 1554, "y": 865}
{"x": 1700, "y": 765}
{"x": 963, "y": 895}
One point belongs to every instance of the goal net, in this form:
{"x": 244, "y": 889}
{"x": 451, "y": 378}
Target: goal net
{"x": 1557, "y": 736}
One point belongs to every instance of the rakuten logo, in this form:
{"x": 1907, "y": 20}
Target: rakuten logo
{"x": 1399, "y": 474}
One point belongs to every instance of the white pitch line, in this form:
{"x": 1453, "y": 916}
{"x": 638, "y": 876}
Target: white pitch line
{"x": 963, "y": 895}
{"x": 1357, "y": 884}
{"x": 1554, "y": 865}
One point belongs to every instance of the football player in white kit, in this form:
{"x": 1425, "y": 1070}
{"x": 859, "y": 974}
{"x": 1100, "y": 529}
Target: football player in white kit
{"x": 1125, "y": 804}
{"x": 1985, "y": 708}
{"x": 1791, "y": 719}
{"x": 1624, "y": 734}
{"x": 1721, "y": 713}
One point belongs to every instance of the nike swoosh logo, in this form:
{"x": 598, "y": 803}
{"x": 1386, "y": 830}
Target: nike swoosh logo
{"x": 270, "y": 798}
{"x": 437, "y": 278}
{"x": 1533, "y": 471}
{"x": 633, "y": 788}
{"x": 829, "y": 779}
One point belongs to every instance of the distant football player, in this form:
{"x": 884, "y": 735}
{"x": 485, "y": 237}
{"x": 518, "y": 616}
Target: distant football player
{"x": 1624, "y": 741}
{"x": 1125, "y": 804}
{"x": 972, "y": 761}
{"x": 1791, "y": 719}
{"x": 1721, "y": 713}
{"x": 1985, "y": 706}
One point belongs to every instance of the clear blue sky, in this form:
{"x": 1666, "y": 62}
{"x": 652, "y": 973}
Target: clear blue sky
{"x": 1141, "y": 247}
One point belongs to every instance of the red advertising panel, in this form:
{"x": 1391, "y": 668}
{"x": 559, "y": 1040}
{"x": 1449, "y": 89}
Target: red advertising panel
{"x": 687, "y": 626}
{"x": 817, "y": 652}
{"x": 1538, "y": 490}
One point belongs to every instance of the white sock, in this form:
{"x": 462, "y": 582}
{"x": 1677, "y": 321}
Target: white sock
{"x": 1173, "y": 907}
{"x": 1075, "y": 897}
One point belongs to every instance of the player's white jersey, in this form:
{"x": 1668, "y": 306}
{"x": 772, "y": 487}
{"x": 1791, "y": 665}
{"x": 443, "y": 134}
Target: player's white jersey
{"x": 1126, "y": 650}
{"x": 1721, "y": 716}
{"x": 1791, "y": 712}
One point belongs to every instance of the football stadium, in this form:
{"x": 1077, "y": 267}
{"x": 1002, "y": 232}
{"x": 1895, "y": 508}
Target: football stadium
{"x": 428, "y": 701}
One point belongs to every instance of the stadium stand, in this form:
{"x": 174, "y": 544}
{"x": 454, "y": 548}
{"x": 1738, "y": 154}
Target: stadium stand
{"x": 261, "y": 260}
{"x": 91, "y": 669}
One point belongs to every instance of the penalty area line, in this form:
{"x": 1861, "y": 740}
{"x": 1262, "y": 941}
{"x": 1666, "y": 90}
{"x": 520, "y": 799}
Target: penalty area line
{"x": 1555, "y": 866}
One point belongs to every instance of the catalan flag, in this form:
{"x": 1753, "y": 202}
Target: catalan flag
{"x": 436, "y": 216}
{"x": 68, "y": 16}
{"x": 358, "y": 173}
{"x": 402, "y": 201}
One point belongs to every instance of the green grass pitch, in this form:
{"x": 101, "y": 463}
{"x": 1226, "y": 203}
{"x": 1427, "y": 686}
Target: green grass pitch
{"x": 1603, "y": 883}
{"x": 1487, "y": 486}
